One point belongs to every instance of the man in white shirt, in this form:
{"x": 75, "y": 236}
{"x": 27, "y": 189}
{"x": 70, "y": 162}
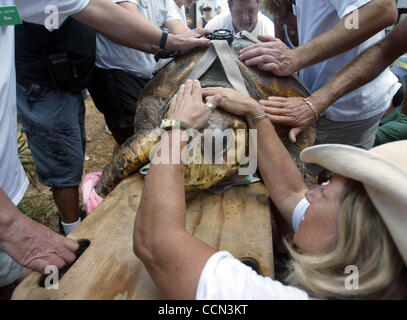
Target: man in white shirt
{"x": 179, "y": 7}
{"x": 331, "y": 34}
{"x": 24, "y": 241}
{"x": 243, "y": 15}
{"x": 122, "y": 72}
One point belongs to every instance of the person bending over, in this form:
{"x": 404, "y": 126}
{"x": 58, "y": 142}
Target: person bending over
{"x": 358, "y": 218}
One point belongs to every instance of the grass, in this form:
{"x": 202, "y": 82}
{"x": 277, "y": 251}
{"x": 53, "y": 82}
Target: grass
{"x": 35, "y": 205}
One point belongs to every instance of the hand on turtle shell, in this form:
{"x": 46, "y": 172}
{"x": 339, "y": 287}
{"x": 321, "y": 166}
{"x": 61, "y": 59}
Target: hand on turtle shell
{"x": 272, "y": 55}
{"x": 189, "y": 107}
{"x": 235, "y": 102}
{"x": 292, "y": 112}
{"x": 34, "y": 246}
{"x": 188, "y": 40}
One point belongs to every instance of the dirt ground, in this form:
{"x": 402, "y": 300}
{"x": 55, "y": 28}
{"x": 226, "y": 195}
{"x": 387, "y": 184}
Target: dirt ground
{"x": 99, "y": 151}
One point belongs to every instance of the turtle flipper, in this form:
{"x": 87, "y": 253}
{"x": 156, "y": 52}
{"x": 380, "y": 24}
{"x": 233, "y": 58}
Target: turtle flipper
{"x": 132, "y": 155}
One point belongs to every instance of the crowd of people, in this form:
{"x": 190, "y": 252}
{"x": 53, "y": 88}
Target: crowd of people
{"x": 357, "y": 216}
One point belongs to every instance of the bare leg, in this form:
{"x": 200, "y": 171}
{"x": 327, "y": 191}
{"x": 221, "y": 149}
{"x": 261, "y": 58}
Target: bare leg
{"x": 67, "y": 202}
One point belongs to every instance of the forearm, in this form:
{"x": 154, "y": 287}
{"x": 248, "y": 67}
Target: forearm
{"x": 126, "y": 28}
{"x": 172, "y": 256}
{"x": 363, "y": 69}
{"x": 373, "y": 17}
{"x": 162, "y": 208}
{"x": 176, "y": 27}
{"x": 278, "y": 170}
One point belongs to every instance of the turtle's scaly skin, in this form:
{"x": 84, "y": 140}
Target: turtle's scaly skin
{"x": 153, "y": 106}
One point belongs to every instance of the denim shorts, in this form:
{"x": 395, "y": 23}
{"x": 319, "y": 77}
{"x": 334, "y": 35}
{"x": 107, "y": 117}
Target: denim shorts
{"x": 10, "y": 270}
{"x": 54, "y": 124}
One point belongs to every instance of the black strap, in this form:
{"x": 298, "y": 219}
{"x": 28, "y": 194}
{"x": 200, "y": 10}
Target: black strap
{"x": 164, "y": 38}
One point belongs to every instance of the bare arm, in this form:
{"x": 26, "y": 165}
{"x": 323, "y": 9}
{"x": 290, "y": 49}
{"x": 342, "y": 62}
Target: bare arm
{"x": 29, "y": 243}
{"x": 176, "y": 27}
{"x": 172, "y": 256}
{"x": 131, "y": 28}
{"x": 284, "y": 182}
{"x": 373, "y": 17}
{"x": 132, "y": 7}
{"x": 363, "y": 69}
{"x": 200, "y": 23}
{"x": 275, "y": 56}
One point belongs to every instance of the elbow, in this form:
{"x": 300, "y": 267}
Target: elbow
{"x": 142, "y": 248}
{"x": 140, "y": 240}
{"x": 389, "y": 13}
{"x": 137, "y": 244}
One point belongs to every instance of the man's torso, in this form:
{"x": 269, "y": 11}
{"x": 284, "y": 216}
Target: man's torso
{"x": 317, "y": 17}
{"x": 110, "y": 55}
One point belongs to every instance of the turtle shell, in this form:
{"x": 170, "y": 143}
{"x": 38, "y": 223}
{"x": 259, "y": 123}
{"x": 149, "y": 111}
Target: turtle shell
{"x": 153, "y": 105}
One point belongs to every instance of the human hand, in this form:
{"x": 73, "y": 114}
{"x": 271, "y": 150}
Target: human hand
{"x": 188, "y": 40}
{"x": 34, "y": 246}
{"x": 272, "y": 55}
{"x": 234, "y": 102}
{"x": 189, "y": 107}
{"x": 292, "y": 112}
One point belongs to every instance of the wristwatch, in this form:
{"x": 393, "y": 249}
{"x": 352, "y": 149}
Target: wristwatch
{"x": 167, "y": 124}
{"x": 164, "y": 38}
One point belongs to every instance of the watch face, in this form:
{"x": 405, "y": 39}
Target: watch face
{"x": 165, "y": 123}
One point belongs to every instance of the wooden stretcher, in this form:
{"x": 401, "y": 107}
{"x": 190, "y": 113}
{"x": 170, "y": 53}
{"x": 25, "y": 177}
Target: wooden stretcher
{"x": 238, "y": 221}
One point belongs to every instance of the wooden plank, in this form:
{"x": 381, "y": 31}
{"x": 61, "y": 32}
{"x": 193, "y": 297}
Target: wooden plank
{"x": 238, "y": 221}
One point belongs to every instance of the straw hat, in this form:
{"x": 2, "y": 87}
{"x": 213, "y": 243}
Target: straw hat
{"x": 383, "y": 172}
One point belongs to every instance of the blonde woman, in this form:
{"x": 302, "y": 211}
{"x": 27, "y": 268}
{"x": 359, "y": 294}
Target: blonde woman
{"x": 356, "y": 220}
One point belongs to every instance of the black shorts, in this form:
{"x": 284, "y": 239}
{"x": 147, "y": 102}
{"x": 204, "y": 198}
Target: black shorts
{"x": 115, "y": 94}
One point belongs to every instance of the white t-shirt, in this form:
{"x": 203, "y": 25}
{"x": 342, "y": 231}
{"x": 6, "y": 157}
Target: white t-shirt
{"x": 317, "y": 17}
{"x": 226, "y": 278}
{"x": 224, "y": 21}
{"x": 110, "y": 55}
{"x": 13, "y": 180}
{"x": 180, "y": 13}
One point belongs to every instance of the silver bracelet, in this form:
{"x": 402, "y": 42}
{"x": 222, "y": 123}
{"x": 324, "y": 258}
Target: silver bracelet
{"x": 264, "y": 116}
{"x": 314, "y": 110}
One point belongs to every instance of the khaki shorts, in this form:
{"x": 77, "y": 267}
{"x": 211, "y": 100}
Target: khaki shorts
{"x": 361, "y": 134}
{"x": 10, "y": 270}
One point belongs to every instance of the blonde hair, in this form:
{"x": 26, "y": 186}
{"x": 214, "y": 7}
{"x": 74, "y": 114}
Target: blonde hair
{"x": 364, "y": 242}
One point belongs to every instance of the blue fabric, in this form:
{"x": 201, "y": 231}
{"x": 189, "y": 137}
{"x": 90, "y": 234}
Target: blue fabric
{"x": 54, "y": 124}
{"x": 10, "y": 270}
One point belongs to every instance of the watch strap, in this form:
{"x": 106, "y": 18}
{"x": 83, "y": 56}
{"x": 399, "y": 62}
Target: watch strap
{"x": 164, "y": 38}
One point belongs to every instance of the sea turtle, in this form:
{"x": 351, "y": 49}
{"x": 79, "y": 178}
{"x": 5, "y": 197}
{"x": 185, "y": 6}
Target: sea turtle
{"x": 153, "y": 106}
